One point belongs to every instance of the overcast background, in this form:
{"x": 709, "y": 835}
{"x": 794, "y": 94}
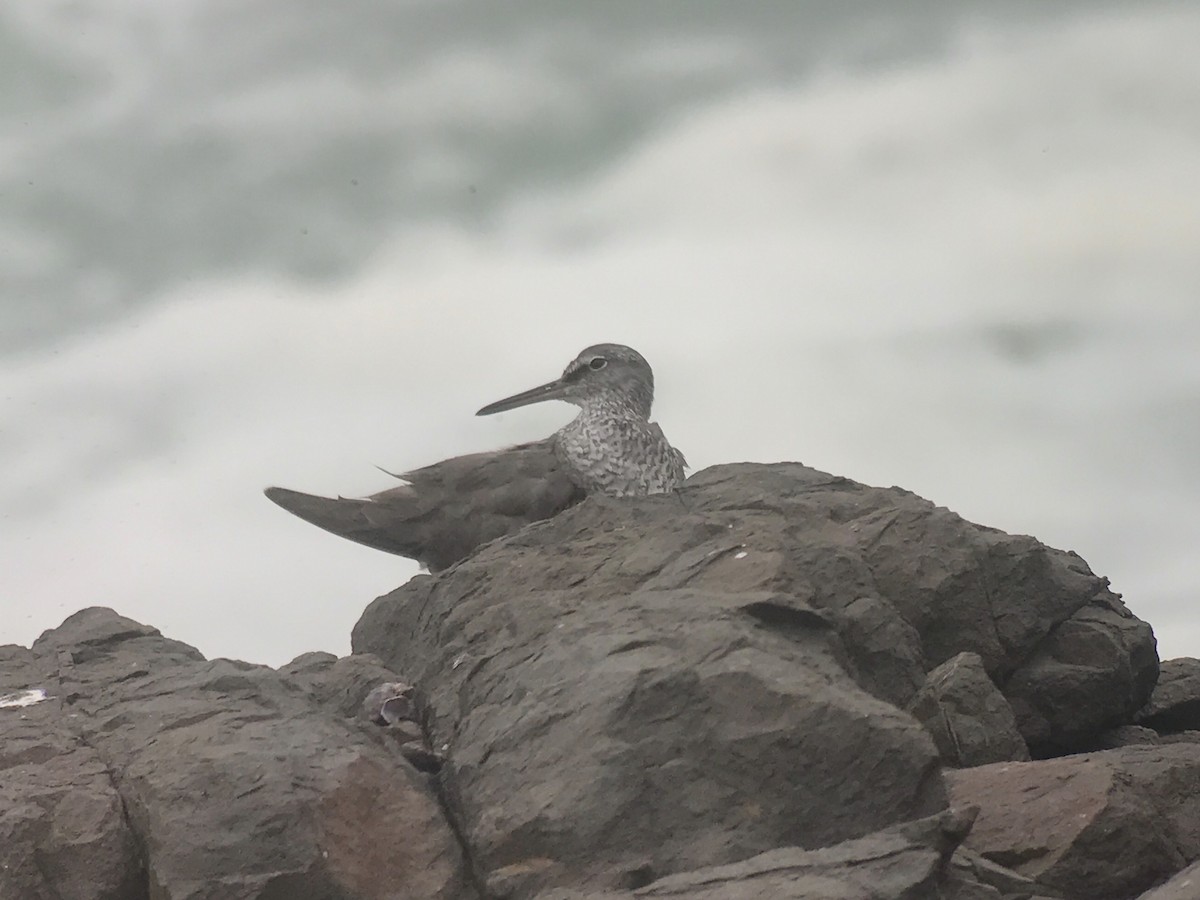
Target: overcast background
{"x": 952, "y": 246}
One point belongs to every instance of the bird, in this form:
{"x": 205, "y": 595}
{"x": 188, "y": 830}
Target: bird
{"x": 445, "y": 511}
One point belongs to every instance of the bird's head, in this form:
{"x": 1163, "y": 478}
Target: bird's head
{"x": 601, "y": 373}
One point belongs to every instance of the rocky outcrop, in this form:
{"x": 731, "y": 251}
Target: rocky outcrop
{"x": 969, "y": 719}
{"x": 634, "y": 725}
{"x": 703, "y": 695}
{"x": 904, "y": 584}
{"x": 164, "y": 775}
{"x": 1099, "y": 825}
{"x": 717, "y": 671}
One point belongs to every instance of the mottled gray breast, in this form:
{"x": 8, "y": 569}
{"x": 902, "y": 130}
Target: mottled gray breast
{"x": 619, "y": 455}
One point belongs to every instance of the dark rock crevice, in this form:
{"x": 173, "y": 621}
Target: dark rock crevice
{"x": 473, "y": 874}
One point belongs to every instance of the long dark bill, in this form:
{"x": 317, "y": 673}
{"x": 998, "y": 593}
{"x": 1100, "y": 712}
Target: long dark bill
{"x": 552, "y": 390}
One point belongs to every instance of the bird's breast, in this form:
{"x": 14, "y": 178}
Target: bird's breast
{"x": 620, "y": 457}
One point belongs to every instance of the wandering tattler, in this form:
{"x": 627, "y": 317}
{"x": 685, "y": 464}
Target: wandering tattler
{"x": 446, "y": 510}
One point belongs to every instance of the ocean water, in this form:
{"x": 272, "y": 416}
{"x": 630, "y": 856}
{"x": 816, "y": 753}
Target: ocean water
{"x": 949, "y": 246}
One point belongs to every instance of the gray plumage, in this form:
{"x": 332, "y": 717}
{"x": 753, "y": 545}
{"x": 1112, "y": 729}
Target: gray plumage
{"x": 450, "y": 508}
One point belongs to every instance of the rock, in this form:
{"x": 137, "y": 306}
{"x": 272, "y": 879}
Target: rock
{"x": 1066, "y": 653}
{"x": 1184, "y": 886}
{"x": 627, "y": 733}
{"x": 698, "y": 695}
{"x": 907, "y": 585}
{"x": 1069, "y": 657}
{"x": 422, "y": 758}
{"x": 592, "y": 668}
{"x": 1100, "y": 825}
{"x": 1180, "y": 737}
{"x": 315, "y": 663}
{"x": 907, "y": 862}
{"x": 1175, "y": 703}
{"x": 1061, "y": 694}
{"x": 391, "y": 703}
{"x": 969, "y": 719}
{"x": 1126, "y": 736}
{"x": 885, "y": 653}
{"x": 405, "y": 731}
{"x": 235, "y": 782}
{"x": 63, "y": 834}
{"x": 973, "y": 877}
{"x": 339, "y": 683}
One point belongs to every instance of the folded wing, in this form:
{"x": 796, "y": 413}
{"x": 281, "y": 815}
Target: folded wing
{"x": 447, "y": 509}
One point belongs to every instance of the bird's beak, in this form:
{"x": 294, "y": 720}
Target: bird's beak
{"x": 553, "y": 390}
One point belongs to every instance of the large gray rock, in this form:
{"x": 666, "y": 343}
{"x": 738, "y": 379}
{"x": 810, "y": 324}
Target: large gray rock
{"x": 235, "y": 781}
{"x": 906, "y": 862}
{"x": 1174, "y": 705}
{"x": 907, "y": 585}
{"x": 968, "y": 718}
{"x": 608, "y": 735}
{"x": 63, "y": 834}
{"x": 643, "y": 696}
{"x": 624, "y": 733}
{"x": 1100, "y": 826}
{"x": 597, "y": 668}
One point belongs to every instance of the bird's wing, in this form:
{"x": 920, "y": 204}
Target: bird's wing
{"x": 450, "y": 508}
{"x": 657, "y": 431}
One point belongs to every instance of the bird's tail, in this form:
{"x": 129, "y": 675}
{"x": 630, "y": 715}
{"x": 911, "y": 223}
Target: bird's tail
{"x": 345, "y": 517}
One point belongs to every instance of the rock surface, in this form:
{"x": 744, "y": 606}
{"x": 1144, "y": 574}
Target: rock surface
{"x": 700, "y": 695}
{"x": 625, "y": 731}
{"x": 1184, "y": 886}
{"x": 1126, "y": 736}
{"x": 908, "y": 862}
{"x": 223, "y": 780}
{"x": 968, "y": 718}
{"x": 1099, "y": 825}
{"x": 63, "y": 833}
{"x": 1175, "y": 703}
{"x": 906, "y": 585}
{"x": 678, "y": 666}
{"x": 627, "y": 735}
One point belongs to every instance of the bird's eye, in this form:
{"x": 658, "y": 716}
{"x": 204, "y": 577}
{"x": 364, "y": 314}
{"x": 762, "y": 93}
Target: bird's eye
{"x": 598, "y": 363}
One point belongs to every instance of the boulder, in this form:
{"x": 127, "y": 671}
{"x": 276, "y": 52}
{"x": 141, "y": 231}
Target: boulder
{"x": 906, "y": 585}
{"x": 907, "y": 862}
{"x": 608, "y": 735}
{"x": 969, "y": 719}
{"x": 1184, "y": 886}
{"x": 235, "y": 781}
{"x": 1175, "y": 703}
{"x": 1100, "y": 826}
{"x": 695, "y": 695}
{"x": 1126, "y": 736}
{"x": 63, "y": 834}
{"x": 716, "y": 645}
